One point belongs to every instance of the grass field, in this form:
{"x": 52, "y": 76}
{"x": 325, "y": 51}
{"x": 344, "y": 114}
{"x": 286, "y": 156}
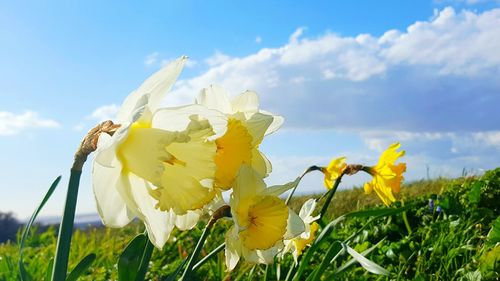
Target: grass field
{"x": 453, "y": 240}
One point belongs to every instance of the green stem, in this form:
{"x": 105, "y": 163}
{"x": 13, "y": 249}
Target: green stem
{"x": 66, "y": 228}
{"x": 267, "y": 273}
{"x": 405, "y": 219}
{"x": 209, "y": 256}
{"x": 329, "y": 199}
{"x": 146, "y": 257}
{"x": 192, "y": 259}
{"x": 308, "y": 170}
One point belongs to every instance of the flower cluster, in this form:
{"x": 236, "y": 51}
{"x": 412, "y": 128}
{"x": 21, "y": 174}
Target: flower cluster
{"x": 169, "y": 166}
{"x": 386, "y": 175}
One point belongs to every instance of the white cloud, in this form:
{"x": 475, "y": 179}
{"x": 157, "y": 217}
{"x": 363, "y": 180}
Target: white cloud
{"x": 217, "y": 58}
{"x": 13, "y": 124}
{"x": 258, "y": 40}
{"x": 457, "y": 43}
{"x": 152, "y": 59}
{"x": 423, "y": 78}
{"x": 105, "y": 112}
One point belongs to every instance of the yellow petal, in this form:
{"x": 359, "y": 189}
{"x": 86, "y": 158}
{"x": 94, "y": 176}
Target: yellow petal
{"x": 267, "y": 223}
{"x": 333, "y": 171}
{"x": 233, "y": 149}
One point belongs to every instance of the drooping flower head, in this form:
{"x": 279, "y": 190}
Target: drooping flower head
{"x": 136, "y": 170}
{"x": 333, "y": 171}
{"x": 246, "y": 128}
{"x": 297, "y": 245}
{"x": 262, "y": 220}
{"x": 387, "y": 175}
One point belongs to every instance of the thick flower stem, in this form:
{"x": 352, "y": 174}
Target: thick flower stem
{"x": 223, "y": 211}
{"x": 87, "y": 146}
{"x": 405, "y": 219}
{"x": 66, "y": 228}
{"x": 209, "y": 255}
{"x": 192, "y": 259}
{"x": 308, "y": 170}
{"x": 329, "y": 199}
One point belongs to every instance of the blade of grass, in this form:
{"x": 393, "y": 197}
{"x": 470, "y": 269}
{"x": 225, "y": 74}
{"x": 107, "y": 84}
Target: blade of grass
{"x": 22, "y": 270}
{"x": 189, "y": 268}
{"x": 209, "y": 256}
{"x": 48, "y": 274}
{"x": 81, "y": 267}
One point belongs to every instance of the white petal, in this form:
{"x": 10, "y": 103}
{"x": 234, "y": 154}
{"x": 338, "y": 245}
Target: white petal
{"x": 107, "y": 145}
{"x": 307, "y": 209}
{"x": 215, "y": 97}
{"x": 277, "y": 190}
{"x": 187, "y": 221}
{"x": 110, "y": 205}
{"x": 262, "y": 256}
{"x": 156, "y": 86}
{"x": 232, "y": 249}
{"x": 295, "y": 225}
{"x": 276, "y": 124}
{"x": 257, "y": 126}
{"x": 260, "y": 163}
{"x": 177, "y": 118}
{"x": 247, "y": 102}
{"x": 158, "y": 224}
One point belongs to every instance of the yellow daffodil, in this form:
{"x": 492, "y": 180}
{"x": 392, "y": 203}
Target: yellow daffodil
{"x": 246, "y": 127}
{"x": 140, "y": 169}
{"x": 333, "y": 171}
{"x": 387, "y": 176}
{"x": 298, "y": 244}
{"x": 261, "y": 220}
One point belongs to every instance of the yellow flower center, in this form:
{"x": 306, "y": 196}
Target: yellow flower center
{"x": 179, "y": 164}
{"x": 233, "y": 149}
{"x": 265, "y": 223}
{"x": 301, "y": 243}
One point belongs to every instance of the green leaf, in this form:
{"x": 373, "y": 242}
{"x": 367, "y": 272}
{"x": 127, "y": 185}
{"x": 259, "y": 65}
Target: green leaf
{"x": 494, "y": 234}
{"x": 334, "y": 249}
{"x": 475, "y": 192}
{"x": 364, "y": 253}
{"x": 130, "y": 259}
{"x": 23, "y": 273}
{"x": 366, "y": 263}
{"x": 377, "y": 213}
{"x": 81, "y": 267}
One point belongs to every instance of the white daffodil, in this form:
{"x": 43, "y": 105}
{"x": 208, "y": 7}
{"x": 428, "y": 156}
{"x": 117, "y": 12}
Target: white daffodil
{"x": 298, "y": 244}
{"x": 246, "y": 128}
{"x": 139, "y": 170}
{"x": 261, "y": 220}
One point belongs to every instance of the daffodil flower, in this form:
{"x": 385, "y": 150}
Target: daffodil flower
{"x": 333, "y": 171}
{"x": 297, "y": 245}
{"x": 246, "y": 128}
{"x": 261, "y": 220}
{"x": 140, "y": 169}
{"x": 387, "y": 176}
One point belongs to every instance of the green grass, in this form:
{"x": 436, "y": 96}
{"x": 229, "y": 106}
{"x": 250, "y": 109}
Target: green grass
{"x": 449, "y": 245}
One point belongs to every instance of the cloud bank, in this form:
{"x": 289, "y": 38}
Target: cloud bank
{"x": 13, "y": 124}
{"x": 434, "y": 86}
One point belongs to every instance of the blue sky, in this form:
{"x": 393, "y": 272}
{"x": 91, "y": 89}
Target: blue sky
{"x": 350, "y": 77}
